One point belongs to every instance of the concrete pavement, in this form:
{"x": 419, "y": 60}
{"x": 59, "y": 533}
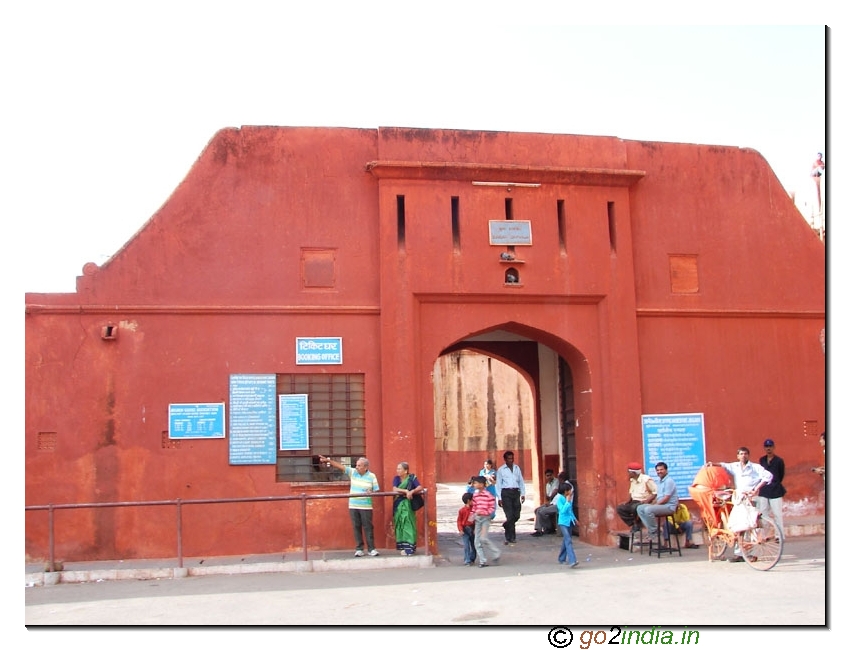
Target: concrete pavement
{"x": 611, "y": 587}
{"x": 529, "y": 551}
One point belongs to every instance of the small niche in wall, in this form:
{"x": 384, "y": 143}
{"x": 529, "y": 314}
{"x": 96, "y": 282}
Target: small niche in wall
{"x": 456, "y": 222}
{"x": 109, "y": 332}
{"x": 318, "y": 268}
{"x": 811, "y": 429}
{"x": 684, "y": 277}
{"x": 511, "y": 276}
{"x": 400, "y": 220}
{"x": 47, "y": 441}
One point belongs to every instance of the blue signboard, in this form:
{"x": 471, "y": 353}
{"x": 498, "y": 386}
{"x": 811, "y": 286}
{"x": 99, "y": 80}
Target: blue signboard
{"x": 294, "y": 428}
{"x": 318, "y": 351}
{"x": 253, "y": 417}
{"x": 195, "y": 421}
{"x": 510, "y": 233}
{"x": 679, "y": 440}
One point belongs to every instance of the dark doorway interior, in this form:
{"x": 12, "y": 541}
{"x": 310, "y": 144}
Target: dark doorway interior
{"x": 568, "y": 427}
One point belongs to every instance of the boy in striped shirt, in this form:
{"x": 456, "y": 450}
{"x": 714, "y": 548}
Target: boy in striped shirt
{"x": 483, "y": 505}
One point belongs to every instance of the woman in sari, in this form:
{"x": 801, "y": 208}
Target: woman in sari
{"x": 405, "y": 485}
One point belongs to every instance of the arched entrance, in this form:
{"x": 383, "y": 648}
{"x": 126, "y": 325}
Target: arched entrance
{"x": 519, "y": 394}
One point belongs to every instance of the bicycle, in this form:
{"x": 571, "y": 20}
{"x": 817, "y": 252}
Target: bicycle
{"x": 760, "y": 543}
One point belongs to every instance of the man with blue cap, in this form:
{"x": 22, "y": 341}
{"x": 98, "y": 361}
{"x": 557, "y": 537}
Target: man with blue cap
{"x": 769, "y": 500}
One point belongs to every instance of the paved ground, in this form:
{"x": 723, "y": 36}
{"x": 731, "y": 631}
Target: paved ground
{"x": 612, "y": 587}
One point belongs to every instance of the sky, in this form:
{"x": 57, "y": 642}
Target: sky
{"x": 106, "y": 105}
{"x": 114, "y": 102}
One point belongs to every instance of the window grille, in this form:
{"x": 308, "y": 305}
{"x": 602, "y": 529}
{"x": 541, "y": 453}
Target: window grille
{"x": 336, "y": 413}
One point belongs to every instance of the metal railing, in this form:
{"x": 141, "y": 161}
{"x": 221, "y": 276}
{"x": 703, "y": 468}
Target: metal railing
{"x": 179, "y": 504}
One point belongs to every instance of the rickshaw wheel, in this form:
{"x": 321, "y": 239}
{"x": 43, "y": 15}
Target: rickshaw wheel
{"x": 762, "y": 546}
{"x": 716, "y": 547}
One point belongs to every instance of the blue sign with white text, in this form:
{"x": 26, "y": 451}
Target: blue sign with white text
{"x": 678, "y": 439}
{"x": 318, "y": 351}
{"x": 195, "y": 421}
{"x": 253, "y": 417}
{"x": 294, "y": 428}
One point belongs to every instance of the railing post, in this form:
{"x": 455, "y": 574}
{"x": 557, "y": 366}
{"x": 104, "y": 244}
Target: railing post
{"x": 179, "y": 534}
{"x": 50, "y": 540}
{"x": 304, "y": 524}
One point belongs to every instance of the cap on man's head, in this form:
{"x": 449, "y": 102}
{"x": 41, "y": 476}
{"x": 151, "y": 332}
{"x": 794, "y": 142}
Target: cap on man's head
{"x": 768, "y": 442}
{"x": 634, "y": 467}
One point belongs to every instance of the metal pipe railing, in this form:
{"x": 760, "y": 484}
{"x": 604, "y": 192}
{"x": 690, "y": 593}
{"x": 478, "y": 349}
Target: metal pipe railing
{"x": 180, "y": 503}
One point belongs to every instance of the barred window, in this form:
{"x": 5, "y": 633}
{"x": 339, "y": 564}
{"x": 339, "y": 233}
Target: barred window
{"x": 336, "y": 412}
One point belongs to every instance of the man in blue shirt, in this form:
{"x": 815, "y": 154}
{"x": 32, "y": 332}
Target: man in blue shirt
{"x": 665, "y": 502}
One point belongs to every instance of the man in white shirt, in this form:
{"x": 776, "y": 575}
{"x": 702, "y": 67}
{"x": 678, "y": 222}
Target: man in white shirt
{"x": 749, "y": 479}
{"x": 543, "y": 514}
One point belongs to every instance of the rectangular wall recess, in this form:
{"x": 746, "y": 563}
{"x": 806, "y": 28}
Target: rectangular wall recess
{"x": 456, "y": 222}
{"x": 684, "y": 275}
{"x": 612, "y": 227}
{"x": 399, "y": 206}
{"x": 562, "y": 227}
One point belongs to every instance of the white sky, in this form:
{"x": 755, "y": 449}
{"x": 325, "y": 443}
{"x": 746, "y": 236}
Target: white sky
{"x": 106, "y": 105}
{"x": 113, "y": 102}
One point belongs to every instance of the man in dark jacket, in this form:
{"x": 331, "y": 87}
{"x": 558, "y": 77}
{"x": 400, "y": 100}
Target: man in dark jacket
{"x": 769, "y": 499}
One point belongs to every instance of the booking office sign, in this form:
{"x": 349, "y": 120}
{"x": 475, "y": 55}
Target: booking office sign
{"x": 293, "y": 409}
{"x": 677, "y": 439}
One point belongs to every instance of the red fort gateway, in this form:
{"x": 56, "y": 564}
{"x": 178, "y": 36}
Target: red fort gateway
{"x": 310, "y": 291}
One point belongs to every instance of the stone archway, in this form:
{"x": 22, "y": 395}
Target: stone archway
{"x": 551, "y": 418}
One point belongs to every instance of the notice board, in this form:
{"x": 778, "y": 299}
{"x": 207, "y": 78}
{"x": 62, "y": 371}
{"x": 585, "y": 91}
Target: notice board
{"x": 195, "y": 421}
{"x": 253, "y": 417}
{"x": 678, "y": 439}
{"x": 294, "y": 428}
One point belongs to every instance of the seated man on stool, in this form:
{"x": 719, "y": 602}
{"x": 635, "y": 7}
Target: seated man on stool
{"x": 641, "y": 490}
{"x": 680, "y": 522}
{"x": 665, "y": 503}
{"x": 543, "y": 515}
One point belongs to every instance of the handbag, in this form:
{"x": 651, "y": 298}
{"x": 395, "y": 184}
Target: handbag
{"x": 417, "y": 502}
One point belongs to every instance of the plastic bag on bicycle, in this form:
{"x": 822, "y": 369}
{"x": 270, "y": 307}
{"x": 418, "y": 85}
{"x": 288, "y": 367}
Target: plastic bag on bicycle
{"x": 744, "y": 515}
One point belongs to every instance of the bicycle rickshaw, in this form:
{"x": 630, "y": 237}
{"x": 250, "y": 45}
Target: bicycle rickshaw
{"x": 757, "y": 537}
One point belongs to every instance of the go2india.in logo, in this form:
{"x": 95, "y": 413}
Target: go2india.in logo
{"x": 562, "y": 637}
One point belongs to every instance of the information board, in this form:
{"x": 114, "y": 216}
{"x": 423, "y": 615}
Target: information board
{"x": 318, "y": 351}
{"x": 510, "y": 233}
{"x": 678, "y": 439}
{"x": 252, "y": 419}
{"x": 195, "y": 421}
{"x": 294, "y": 428}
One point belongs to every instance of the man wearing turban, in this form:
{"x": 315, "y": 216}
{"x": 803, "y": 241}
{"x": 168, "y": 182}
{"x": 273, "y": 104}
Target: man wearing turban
{"x": 642, "y": 490}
